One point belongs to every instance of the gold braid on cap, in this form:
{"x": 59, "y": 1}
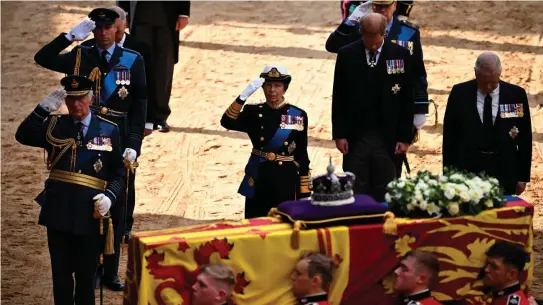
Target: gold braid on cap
{"x": 62, "y": 144}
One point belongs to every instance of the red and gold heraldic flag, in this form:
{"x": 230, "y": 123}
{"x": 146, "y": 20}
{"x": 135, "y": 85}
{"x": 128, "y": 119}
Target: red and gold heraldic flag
{"x": 163, "y": 265}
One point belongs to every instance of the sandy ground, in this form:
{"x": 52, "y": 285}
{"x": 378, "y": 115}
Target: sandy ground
{"x": 192, "y": 173}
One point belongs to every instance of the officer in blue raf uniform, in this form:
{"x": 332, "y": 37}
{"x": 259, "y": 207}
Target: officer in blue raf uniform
{"x": 401, "y": 32}
{"x": 87, "y": 174}
{"x": 120, "y": 86}
{"x": 278, "y": 169}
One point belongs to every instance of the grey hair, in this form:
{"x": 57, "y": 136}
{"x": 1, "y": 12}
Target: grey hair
{"x": 488, "y": 61}
{"x": 120, "y": 11}
{"x": 382, "y": 23}
{"x": 90, "y": 94}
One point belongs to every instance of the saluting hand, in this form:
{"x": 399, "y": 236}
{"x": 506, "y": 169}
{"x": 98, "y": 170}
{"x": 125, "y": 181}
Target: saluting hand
{"x": 360, "y": 11}
{"x": 81, "y": 31}
{"x": 54, "y": 100}
{"x": 251, "y": 88}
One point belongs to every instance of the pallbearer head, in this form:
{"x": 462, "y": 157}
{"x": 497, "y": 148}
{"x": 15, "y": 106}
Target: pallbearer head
{"x": 213, "y": 285}
{"x": 104, "y": 32}
{"x": 312, "y": 274}
{"x": 79, "y": 95}
{"x": 488, "y": 69}
{"x": 276, "y": 83}
{"x": 504, "y": 263}
{"x": 373, "y": 29}
{"x": 418, "y": 271}
{"x": 385, "y": 8}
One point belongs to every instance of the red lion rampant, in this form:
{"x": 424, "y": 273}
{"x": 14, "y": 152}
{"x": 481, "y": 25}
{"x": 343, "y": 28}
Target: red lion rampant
{"x": 180, "y": 279}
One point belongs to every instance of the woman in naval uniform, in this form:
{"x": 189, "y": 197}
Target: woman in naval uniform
{"x": 278, "y": 168}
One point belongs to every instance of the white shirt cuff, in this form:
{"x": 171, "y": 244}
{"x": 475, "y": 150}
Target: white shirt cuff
{"x": 183, "y": 16}
{"x": 149, "y": 126}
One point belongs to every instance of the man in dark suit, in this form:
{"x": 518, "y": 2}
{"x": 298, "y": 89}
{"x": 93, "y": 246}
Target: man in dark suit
{"x": 372, "y": 106}
{"x": 487, "y": 127}
{"x": 87, "y": 174}
{"x": 400, "y": 32}
{"x": 121, "y": 88}
{"x": 157, "y": 23}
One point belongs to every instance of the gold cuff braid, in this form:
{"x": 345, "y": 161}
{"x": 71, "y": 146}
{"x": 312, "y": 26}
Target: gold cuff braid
{"x": 234, "y": 110}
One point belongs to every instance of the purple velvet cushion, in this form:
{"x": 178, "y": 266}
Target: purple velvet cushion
{"x": 305, "y": 210}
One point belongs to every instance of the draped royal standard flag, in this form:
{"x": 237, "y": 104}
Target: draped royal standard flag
{"x": 163, "y": 265}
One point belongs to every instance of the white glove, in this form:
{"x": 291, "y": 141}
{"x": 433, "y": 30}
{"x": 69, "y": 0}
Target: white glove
{"x": 251, "y": 88}
{"x": 81, "y": 31}
{"x": 360, "y": 11}
{"x": 54, "y": 100}
{"x": 131, "y": 154}
{"x": 104, "y": 203}
{"x": 419, "y": 120}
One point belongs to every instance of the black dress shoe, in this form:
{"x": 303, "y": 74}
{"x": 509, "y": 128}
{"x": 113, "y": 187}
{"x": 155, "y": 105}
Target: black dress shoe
{"x": 162, "y": 127}
{"x": 113, "y": 283}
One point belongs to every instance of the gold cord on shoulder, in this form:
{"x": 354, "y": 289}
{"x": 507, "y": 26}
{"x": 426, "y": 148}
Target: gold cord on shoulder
{"x": 96, "y": 77}
{"x": 62, "y": 144}
{"x": 77, "y": 61}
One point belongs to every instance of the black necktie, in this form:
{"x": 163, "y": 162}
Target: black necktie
{"x": 80, "y": 135}
{"x": 373, "y": 59}
{"x": 103, "y": 61}
{"x": 487, "y": 112}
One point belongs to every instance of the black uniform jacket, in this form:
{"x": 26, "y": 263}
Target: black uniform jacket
{"x": 66, "y": 206}
{"x": 125, "y": 64}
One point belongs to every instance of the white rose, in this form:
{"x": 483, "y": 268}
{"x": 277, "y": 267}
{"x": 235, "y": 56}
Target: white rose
{"x": 410, "y": 207}
{"x": 457, "y": 177}
{"x": 489, "y": 203}
{"x": 465, "y": 197}
{"x": 432, "y": 182}
{"x": 418, "y": 195}
{"x": 433, "y": 209}
{"x": 493, "y": 181}
{"x": 475, "y": 195}
{"x": 388, "y": 198}
{"x": 401, "y": 184}
{"x": 423, "y": 205}
{"x": 450, "y": 193}
{"x": 454, "y": 209}
{"x": 443, "y": 179}
{"x": 398, "y": 195}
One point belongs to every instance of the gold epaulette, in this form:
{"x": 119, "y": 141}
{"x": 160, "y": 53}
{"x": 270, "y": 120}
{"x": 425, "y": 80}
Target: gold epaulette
{"x": 101, "y": 118}
{"x": 234, "y": 110}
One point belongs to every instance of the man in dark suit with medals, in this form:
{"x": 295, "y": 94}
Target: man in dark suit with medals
{"x": 119, "y": 76}
{"x": 372, "y": 107}
{"x": 487, "y": 127}
{"x": 158, "y": 24}
{"x": 278, "y": 169}
{"x": 398, "y": 31}
{"x": 87, "y": 174}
